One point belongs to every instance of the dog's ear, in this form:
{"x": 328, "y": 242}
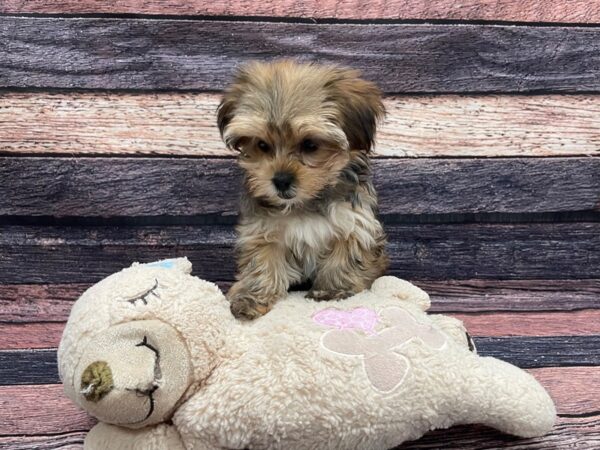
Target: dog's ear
{"x": 360, "y": 107}
{"x": 226, "y": 109}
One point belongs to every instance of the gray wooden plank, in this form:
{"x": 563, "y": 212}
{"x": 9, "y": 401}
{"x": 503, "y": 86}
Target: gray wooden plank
{"x": 199, "y": 54}
{"x": 473, "y": 296}
{"x": 578, "y": 432}
{"x": 20, "y": 367}
{"x": 122, "y": 187}
{"x": 569, "y": 432}
{"x": 43, "y": 254}
{"x": 41, "y": 303}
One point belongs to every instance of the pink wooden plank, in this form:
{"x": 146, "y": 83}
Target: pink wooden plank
{"x": 572, "y": 11}
{"x": 39, "y": 409}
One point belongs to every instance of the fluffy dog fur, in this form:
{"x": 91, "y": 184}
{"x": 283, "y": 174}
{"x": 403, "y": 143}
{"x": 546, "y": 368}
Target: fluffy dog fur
{"x": 309, "y": 209}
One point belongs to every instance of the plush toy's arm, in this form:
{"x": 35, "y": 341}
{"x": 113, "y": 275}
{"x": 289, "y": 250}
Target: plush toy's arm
{"x": 455, "y": 329}
{"x": 401, "y": 289}
{"x": 110, "y": 437}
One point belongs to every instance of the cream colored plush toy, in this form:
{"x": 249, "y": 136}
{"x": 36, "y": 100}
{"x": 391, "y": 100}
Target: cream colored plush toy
{"x": 156, "y": 356}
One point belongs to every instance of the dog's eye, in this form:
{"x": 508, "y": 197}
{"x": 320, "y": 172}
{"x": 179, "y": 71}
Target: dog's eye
{"x": 308, "y": 146}
{"x": 263, "y": 146}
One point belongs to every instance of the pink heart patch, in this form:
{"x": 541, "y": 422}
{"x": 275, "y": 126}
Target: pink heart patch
{"x": 364, "y": 319}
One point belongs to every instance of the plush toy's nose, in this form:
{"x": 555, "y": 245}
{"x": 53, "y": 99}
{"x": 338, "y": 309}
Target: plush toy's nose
{"x": 96, "y": 381}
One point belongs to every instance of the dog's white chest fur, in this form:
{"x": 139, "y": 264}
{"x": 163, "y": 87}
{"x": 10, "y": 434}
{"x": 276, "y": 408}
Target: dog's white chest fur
{"x": 309, "y": 236}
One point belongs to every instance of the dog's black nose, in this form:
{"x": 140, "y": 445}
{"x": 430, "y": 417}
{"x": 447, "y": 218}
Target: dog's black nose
{"x": 283, "y": 181}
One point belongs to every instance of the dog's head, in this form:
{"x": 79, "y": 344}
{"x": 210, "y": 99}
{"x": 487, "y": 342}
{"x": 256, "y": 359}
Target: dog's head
{"x": 296, "y": 126}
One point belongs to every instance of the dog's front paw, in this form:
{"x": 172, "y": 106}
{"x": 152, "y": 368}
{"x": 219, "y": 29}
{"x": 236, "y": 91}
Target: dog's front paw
{"x": 244, "y": 305}
{"x": 324, "y": 295}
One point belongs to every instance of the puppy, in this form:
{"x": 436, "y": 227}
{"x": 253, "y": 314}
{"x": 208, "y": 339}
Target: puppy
{"x": 309, "y": 210}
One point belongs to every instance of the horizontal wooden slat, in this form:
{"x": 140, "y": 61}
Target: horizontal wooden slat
{"x": 575, "y": 390}
{"x": 511, "y": 295}
{"x": 18, "y": 336}
{"x": 584, "y": 322}
{"x": 433, "y": 252}
{"x": 570, "y": 388}
{"x": 579, "y": 432}
{"x": 39, "y": 366}
{"x": 569, "y": 432}
{"x": 56, "y": 440}
{"x": 111, "y": 187}
{"x": 401, "y": 58}
{"x": 52, "y": 303}
{"x": 39, "y": 409}
{"x": 184, "y": 124}
{"x": 548, "y": 351}
{"x": 577, "y": 11}
{"x": 38, "y": 303}
{"x": 19, "y": 367}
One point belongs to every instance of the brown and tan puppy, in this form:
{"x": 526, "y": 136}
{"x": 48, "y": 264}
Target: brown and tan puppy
{"x": 309, "y": 211}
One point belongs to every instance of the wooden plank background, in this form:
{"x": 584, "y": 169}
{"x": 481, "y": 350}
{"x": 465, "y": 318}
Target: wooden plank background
{"x": 94, "y": 123}
{"x": 574, "y": 11}
{"x": 487, "y": 169}
{"x": 143, "y": 54}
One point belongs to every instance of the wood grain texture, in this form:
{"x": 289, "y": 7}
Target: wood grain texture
{"x": 47, "y": 254}
{"x": 576, "y": 11}
{"x": 20, "y": 367}
{"x": 38, "y": 303}
{"x": 579, "y": 432}
{"x": 57, "y": 440}
{"x": 39, "y": 409}
{"x": 572, "y": 389}
{"x": 123, "y": 187}
{"x": 51, "y": 304}
{"x": 84, "y": 123}
{"x": 20, "y": 336}
{"x": 575, "y": 390}
{"x": 402, "y": 58}
{"x": 586, "y": 322}
{"x": 569, "y": 432}
{"x": 548, "y": 351}
{"x": 472, "y": 296}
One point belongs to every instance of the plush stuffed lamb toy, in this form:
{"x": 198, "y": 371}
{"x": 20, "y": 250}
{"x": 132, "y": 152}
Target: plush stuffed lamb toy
{"x": 155, "y": 354}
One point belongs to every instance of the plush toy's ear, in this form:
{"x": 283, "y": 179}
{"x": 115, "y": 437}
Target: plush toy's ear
{"x": 402, "y": 290}
{"x": 182, "y": 264}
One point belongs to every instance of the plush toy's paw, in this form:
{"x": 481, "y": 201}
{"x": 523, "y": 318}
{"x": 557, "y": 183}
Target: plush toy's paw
{"x": 244, "y": 305}
{"x": 325, "y": 295}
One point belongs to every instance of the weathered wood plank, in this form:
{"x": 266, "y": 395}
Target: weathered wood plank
{"x": 19, "y": 367}
{"x": 548, "y": 351}
{"x": 586, "y": 322}
{"x": 575, "y": 390}
{"x": 570, "y": 387}
{"x": 32, "y": 254}
{"x": 126, "y": 187}
{"x": 401, "y": 58}
{"x": 19, "y": 336}
{"x": 511, "y": 295}
{"x": 569, "y": 432}
{"x": 57, "y": 440}
{"x": 38, "y": 303}
{"x": 41, "y": 409}
{"x": 576, "y": 11}
{"x": 184, "y": 124}
{"x": 52, "y": 303}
